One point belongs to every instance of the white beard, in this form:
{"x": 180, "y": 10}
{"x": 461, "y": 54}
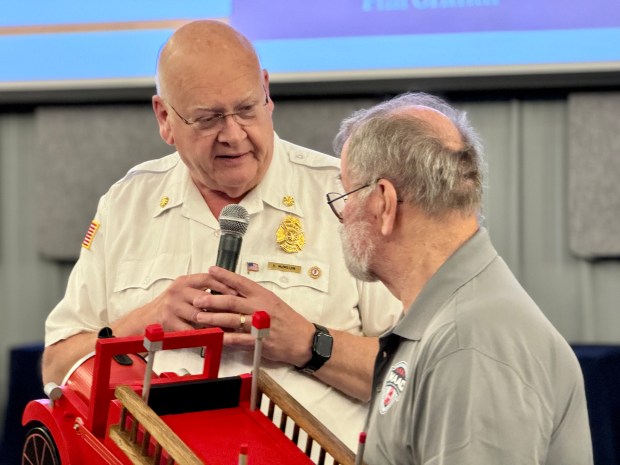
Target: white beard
{"x": 358, "y": 246}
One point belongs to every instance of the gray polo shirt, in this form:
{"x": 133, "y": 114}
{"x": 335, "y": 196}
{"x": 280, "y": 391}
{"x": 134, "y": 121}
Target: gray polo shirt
{"x": 475, "y": 374}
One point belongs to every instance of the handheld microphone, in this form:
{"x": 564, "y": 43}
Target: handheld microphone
{"x": 234, "y": 221}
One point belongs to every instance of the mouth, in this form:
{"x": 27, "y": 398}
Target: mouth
{"x": 232, "y": 156}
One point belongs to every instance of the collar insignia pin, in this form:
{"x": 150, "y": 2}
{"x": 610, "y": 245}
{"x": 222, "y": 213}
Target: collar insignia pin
{"x": 164, "y": 201}
{"x": 288, "y": 200}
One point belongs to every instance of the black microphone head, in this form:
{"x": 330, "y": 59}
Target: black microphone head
{"x": 234, "y": 219}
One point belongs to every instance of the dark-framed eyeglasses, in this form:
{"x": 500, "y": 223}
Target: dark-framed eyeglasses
{"x": 212, "y": 123}
{"x": 336, "y": 200}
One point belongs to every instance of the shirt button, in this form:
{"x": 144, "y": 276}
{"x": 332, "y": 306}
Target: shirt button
{"x": 299, "y": 155}
{"x": 284, "y": 279}
{"x": 146, "y": 280}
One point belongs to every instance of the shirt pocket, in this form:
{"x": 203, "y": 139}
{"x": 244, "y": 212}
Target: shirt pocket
{"x": 303, "y": 283}
{"x": 140, "y": 281}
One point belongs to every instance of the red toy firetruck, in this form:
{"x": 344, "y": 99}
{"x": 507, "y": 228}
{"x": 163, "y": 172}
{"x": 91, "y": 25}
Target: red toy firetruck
{"x": 112, "y": 409}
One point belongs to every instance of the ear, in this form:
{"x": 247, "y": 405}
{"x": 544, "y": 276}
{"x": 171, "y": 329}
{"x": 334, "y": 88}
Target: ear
{"x": 270, "y": 103}
{"x": 163, "y": 116}
{"x": 389, "y": 206}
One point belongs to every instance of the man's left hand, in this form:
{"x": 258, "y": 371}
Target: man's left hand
{"x": 290, "y": 335}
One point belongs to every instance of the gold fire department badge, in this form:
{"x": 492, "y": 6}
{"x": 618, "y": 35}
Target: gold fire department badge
{"x": 289, "y": 235}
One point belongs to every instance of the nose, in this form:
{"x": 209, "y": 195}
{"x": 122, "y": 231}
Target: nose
{"x": 230, "y": 130}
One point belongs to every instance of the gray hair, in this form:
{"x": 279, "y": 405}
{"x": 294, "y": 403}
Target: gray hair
{"x": 384, "y": 142}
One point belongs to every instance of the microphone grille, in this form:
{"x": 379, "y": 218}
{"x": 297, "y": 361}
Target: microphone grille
{"x": 234, "y": 219}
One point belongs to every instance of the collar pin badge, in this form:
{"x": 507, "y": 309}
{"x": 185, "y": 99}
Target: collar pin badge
{"x": 290, "y": 236}
{"x": 164, "y": 201}
{"x": 288, "y": 200}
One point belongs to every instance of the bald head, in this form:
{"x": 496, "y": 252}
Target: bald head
{"x": 437, "y": 123}
{"x": 201, "y": 48}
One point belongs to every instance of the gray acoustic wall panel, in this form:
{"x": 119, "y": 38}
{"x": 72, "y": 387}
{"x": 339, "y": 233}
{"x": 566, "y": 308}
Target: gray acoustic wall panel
{"x": 594, "y": 174}
{"x": 314, "y": 123}
{"x": 82, "y": 151}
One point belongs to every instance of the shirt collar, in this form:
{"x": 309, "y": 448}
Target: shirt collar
{"x": 279, "y": 182}
{"x": 277, "y": 185}
{"x": 180, "y": 191}
{"x": 174, "y": 193}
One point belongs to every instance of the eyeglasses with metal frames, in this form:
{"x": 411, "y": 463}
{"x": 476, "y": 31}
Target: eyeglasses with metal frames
{"x": 245, "y": 116}
{"x": 336, "y": 200}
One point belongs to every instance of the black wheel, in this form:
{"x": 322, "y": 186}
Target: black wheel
{"x": 40, "y": 448}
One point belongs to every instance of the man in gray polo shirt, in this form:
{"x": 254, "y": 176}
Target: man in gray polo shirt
{"x": 473, "y": 373}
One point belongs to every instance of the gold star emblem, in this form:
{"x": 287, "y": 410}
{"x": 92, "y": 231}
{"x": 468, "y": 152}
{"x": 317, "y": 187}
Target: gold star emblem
{"x": 164, "y": 201}
{"x": 290, "y": 236}
{"x": 288, "y": 200}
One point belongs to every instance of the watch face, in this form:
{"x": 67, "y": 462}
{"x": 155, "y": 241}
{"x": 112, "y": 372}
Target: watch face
{"x": 323, "y": 344}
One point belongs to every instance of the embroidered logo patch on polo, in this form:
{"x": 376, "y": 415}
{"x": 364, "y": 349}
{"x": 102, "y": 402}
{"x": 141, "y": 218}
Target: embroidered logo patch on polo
{"x": 393, "y": 386}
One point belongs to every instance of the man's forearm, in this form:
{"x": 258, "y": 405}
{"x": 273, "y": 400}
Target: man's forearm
{"x": 61, "y": 356}
{"x": 351, "y": 365}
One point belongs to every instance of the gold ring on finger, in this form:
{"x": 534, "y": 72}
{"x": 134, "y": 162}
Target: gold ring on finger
{"x": 241, "y": 321}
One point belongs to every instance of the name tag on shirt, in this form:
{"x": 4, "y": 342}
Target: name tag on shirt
{"x": 284, "y": 267}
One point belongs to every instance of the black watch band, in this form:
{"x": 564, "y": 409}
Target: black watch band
{"x": 322, "y": 344}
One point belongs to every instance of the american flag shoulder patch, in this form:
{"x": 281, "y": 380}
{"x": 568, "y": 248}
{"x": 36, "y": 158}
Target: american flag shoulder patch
{"x": 90, "y": 234}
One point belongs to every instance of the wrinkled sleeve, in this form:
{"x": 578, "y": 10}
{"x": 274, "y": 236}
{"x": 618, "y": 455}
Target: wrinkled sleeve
{"x": 83, "y": 307}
